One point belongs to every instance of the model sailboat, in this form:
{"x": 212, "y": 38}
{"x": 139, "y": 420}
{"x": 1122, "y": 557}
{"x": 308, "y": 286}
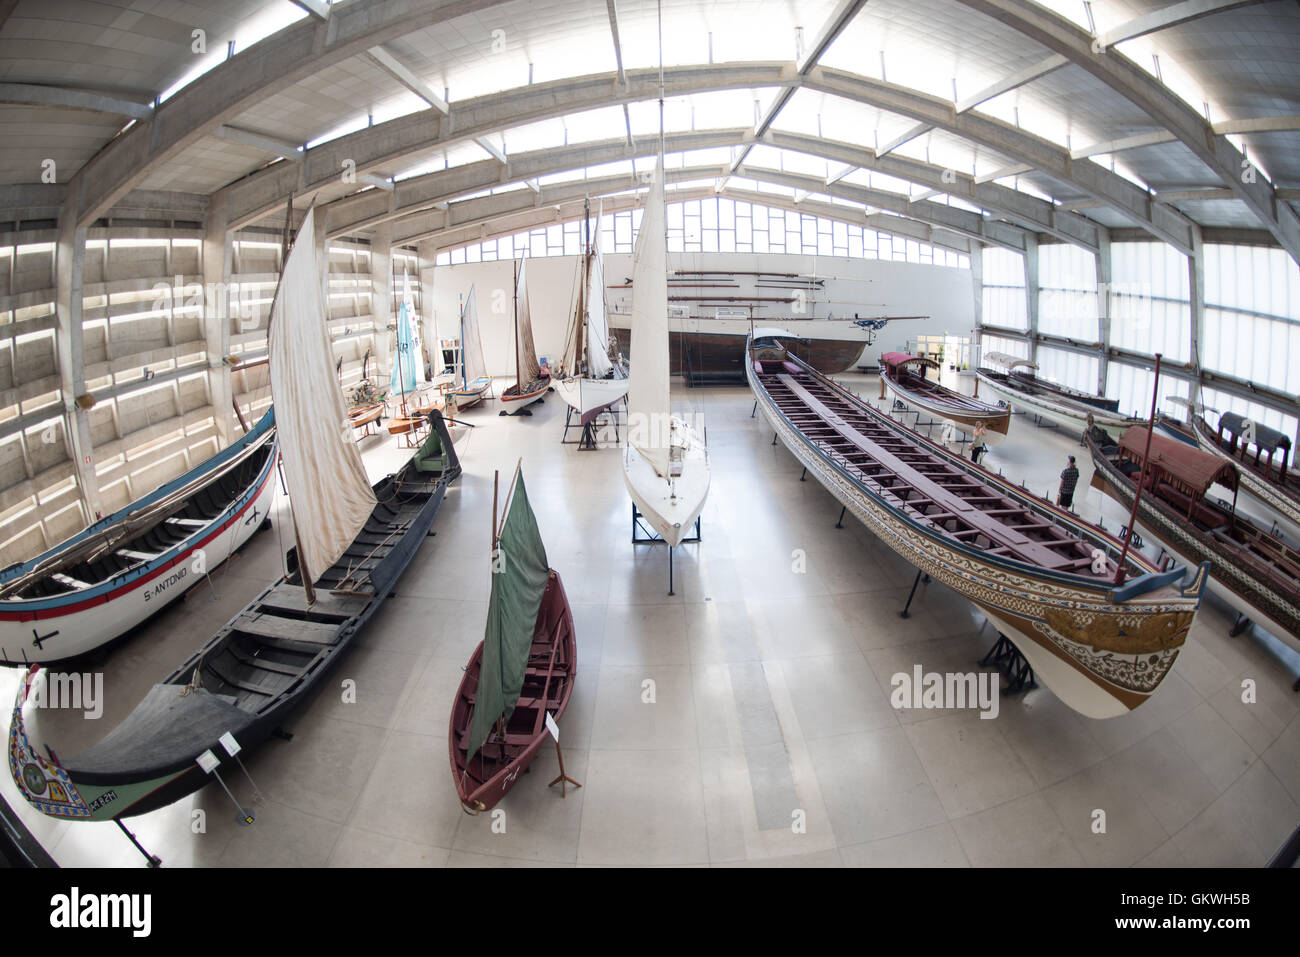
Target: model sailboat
{"x": 665, "y": 464}
{"x": 530, "y": 386}
{"x": 589, "y": 380}
{"x": 523, "y": 669}
{"x": 353, "y": 542}
{"x": 408, "y": 367}
{"x": 473, "y": 380}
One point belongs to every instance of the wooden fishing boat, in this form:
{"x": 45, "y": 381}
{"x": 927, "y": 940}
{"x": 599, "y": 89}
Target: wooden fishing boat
{"x": 523, "y": 669}
{"x": 104, "y": 581}
{"x": 530, "y": 385}
{"x": 588, "y": 378}
{"x": 234, "y": 691}
{"x": 1256, "y": 573}
{"x": 707, "y": 348}
{"x": 366, "y": 417}
{"x": 1272, "y": 482}
{"x": 1042, "y": 576}
{"x": 904, "y": 377}
{"x": 473, "y": 382}
{"x": 665, "y": 463}
{"x": 1061, "y": 406}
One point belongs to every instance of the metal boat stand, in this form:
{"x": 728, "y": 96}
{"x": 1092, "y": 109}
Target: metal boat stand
{"x": 648, "y": 536}
{"x": 920, "y": 577}
{"x": 839, "y": 522}
{"x": 1006, "y": 657}
{"x": 1239, "y": 626}
{"x": 153, "y": 859}
{"x": 587, "y": 442}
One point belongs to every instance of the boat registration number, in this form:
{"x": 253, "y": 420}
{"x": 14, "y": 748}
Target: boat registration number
{"x": 106, "y": 798}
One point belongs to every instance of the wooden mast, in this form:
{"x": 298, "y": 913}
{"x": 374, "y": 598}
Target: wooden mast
{"x": 1146, "y": 457}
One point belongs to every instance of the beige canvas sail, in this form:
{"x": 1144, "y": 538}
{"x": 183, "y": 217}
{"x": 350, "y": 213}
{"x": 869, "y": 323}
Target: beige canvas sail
{"x": 529, "y": 368}
{"x": 328, "y": 491}
{"x": 471, "y": 345}
{"x": 647, "y": 394}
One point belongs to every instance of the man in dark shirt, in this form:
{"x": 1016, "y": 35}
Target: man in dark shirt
{"x": 1069, "y": 479}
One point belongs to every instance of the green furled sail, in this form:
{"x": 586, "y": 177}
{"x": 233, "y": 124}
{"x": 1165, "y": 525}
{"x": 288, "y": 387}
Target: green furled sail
{"x": 519, "y": 578}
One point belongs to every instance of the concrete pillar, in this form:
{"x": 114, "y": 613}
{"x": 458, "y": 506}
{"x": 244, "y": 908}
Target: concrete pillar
{"x": 1031, "y": 292}
{"x": 69, "y": 266}
{"x": 1103, "y": 308}
{"x": 218, "y": 310}
{"x": 977, "y": 290}
{"x": 381, "y": 298}
{"x": 428, "y": 253}
{"x": 1196, "y": 299}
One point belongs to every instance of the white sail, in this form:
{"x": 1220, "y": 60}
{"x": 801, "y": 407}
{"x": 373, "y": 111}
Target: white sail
{"x": 529, "y": 370}
{"x": 647, "y": 394}
{"x": 471, "y": 344}
{"x": 598, "y": 364}
{"x": 328, "y": 491}
{"x": 408, "y": 300}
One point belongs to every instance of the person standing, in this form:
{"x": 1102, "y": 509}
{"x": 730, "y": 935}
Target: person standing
{"x": 1069, "y": 479}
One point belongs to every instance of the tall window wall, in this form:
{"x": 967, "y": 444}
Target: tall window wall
{"x": 1131, "y": 385}
{"x": 1005, "y": 345}
{"x": 717, "y": 224}
{"x": 1150, "y": 303}
{"x": 1004, "y": 289}
{"x": 1067, "y": 293}
{"x": 1252, "y": 315}
{"x": 1072, "y": 369}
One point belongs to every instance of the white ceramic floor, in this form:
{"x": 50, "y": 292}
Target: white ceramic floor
{"x": 770, "y": 671}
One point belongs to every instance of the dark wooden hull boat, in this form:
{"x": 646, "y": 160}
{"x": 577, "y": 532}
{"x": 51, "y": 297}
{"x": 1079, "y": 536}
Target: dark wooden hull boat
{"x": 1273, "y": 483}
{"x": 1051, "y": 405}
{"x": 721, "y": 355}
{"x": 1031, "y": 381}
{"x": 249, "y": 676}
{"x": 530, "y": 392}
{"x": 1028, "y": 565}
{"x": 904, "y": 377}
{"x": 106, "y": 580}
{"x": 548, "y": 684}
{"x": 1175, "y": 429}
{"x": 1252, "y": 571}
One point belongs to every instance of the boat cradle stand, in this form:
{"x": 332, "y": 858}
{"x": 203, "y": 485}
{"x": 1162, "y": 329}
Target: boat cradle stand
{"x": 587, "y": 442}
{"x": 1006, "y": 657}
{"x": 647, "y": 536}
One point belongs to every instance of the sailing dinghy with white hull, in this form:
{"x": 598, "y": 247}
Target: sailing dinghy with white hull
{"x": 473, "y": 380}
{"x": 106, "y": 580}
{"x": 589, "y": 380}
{"x": 665, "y": 464}
{"x": 353, "y": 541}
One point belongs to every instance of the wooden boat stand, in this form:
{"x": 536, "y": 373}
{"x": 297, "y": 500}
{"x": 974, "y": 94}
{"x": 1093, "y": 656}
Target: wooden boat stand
{"x": 563, "y": 779}
{"x": 587, "y": 442}
{"x": 1008, "y": 660}
{"x": 648, "y": 536}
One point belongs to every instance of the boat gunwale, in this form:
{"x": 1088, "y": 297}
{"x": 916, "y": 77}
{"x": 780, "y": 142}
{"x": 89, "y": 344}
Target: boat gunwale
{"x": 1077, "y": 412}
